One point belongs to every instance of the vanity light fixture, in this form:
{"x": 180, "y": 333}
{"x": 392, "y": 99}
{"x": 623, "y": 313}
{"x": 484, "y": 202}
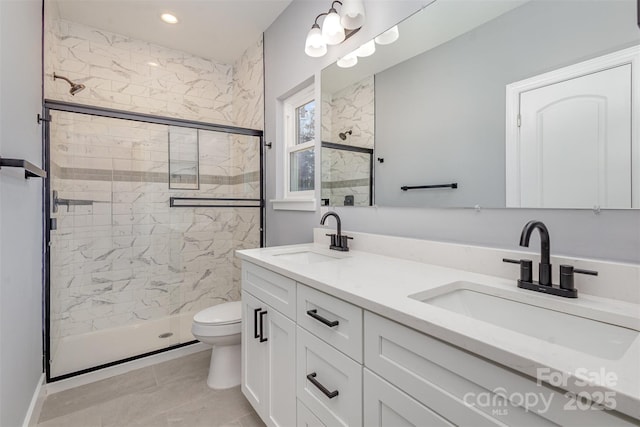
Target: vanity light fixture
{"x": 333, "y": 27}
{"x": 389, "y": 36}
{"x": 169, "y": 18}
{"x": 352, "y": 14}
{"x": 348, "y": 61}
{"x": 315, "y": 46}
{"x": 367, "y": 49}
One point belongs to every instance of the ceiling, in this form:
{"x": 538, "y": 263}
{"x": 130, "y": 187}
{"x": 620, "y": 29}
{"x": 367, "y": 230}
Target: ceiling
{"x": 216, "y": 29}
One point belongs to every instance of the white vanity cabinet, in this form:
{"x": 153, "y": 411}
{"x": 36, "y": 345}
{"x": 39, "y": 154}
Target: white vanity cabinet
{"x": 268, "y": 345}
{"x": 463, "y": 388}
{"x": 328, "y": 362}
{"x": 329, "y": 357}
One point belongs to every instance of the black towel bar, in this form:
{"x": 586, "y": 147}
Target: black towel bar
{"x": 453, "y": 185}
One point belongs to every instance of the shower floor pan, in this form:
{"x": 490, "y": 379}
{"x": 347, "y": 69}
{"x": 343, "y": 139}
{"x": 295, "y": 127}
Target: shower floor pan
{"x": 91, "y": 349}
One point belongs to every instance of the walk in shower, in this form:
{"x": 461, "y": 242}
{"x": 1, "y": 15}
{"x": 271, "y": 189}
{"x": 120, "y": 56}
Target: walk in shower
{"x": 144, "y": 215}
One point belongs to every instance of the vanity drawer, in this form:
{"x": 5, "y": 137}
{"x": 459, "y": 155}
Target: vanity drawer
{"x": 386, "y": 405}
{"x": 306, "y": 418}
{"x": 320, "y": 366}
{"x": 463, "y": 388}
{"x": 335, "y": 321}
{"x": 272, "y": 288}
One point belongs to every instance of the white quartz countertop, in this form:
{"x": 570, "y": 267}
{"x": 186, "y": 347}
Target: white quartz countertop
{"x": 382, "y": 285}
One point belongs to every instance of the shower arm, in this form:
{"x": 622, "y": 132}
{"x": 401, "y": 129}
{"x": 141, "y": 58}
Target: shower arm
{"x": 55, "y": 76}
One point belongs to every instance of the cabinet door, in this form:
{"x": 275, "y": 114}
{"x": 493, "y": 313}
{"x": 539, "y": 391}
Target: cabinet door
{"x": 280, "y": 333}
{"x": 254, "y": 354}
{"x": 386, "y": 405}
{"x": 306, "y": 418}
{"x": 328, "y": 382}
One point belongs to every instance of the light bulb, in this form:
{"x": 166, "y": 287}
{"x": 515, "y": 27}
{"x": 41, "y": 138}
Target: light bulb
{"x": 367, "y": 49}
{"x": 315, "y": 45}
{"x": 388, "y": 36}
{"x": 169, "y": 18}
{"x": 332, "y": 31}
{"x": 347, "y": 61}
{"x": 352, "y": 12}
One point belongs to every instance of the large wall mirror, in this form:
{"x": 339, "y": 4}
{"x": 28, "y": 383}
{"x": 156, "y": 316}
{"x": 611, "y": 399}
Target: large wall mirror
{"x": 491, "y": 103}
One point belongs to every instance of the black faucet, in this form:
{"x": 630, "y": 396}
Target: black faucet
{"x": 545, "y": 284}
{"x": 544, "y": 271}
{"x": 338, "y": 241}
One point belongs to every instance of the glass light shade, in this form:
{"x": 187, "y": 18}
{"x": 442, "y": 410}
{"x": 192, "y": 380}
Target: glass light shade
{"x": 169, "y": 18}
{"x": 332, "y": 30}
{"x": 347, "y": 61}
{"x": 315, "y": 45}
{"x": 367, "y": 49}
{"x": 352, "y": 12}
{"x": 388, "y": 36}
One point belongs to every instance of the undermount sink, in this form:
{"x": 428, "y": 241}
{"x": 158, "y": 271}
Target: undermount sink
{"x": 501, "y": 308}
{"x": 305, "y": 257}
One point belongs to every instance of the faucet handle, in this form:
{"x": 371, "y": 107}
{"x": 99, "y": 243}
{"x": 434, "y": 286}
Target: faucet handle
{"x": 589, "y": 272}
{"x": 334, "y": 238}
{"x": 526, "y": 268}
{"x": 343, "y": 243}
{"x": 566, "y": 275}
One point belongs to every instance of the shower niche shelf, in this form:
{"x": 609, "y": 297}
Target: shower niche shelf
{"x": 30, "y": 170}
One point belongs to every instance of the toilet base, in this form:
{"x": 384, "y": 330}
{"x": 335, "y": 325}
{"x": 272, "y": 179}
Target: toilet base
{"x": 224, "y": 369}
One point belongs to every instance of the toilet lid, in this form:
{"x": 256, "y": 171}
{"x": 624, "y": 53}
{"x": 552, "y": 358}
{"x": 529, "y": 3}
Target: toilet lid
{"x": 228, "y": 312}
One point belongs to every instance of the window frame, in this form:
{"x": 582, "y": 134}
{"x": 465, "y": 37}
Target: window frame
{"x": 291, "y": 104}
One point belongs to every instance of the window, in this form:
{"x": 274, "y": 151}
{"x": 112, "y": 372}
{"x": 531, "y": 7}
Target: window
{"x": 299, "y": 111}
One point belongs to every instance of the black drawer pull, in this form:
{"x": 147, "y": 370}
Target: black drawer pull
{"x": 330, "y": 394}
{"x": 255, "y": 322}
{"x": 262, "y": 338}
{"x": 330, "y": 323}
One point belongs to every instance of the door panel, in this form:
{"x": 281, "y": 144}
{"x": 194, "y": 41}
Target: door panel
{"x": 575, "y": 142}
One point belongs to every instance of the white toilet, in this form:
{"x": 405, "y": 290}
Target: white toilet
{"x": 220, "y": 326}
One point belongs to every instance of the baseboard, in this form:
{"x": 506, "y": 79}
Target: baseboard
{"x": 33, "y": 413}
{"x": 123, "y": 368}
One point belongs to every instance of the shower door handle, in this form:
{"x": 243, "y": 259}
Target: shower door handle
{"x": 262, "y": 338}
{"x": 255, "y": 322}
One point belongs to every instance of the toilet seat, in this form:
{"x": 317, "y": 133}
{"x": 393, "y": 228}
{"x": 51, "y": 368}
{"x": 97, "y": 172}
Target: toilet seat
{"x": 221, "y": 314}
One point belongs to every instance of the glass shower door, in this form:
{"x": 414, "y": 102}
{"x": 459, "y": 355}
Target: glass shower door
{"x": 127, "y": 267}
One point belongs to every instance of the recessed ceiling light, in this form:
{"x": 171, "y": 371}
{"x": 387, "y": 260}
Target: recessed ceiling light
{"x": 169, "y": 18}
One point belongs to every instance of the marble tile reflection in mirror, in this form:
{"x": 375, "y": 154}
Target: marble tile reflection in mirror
{"x": 347, "y": 144}
{"x": 440, "y": 109}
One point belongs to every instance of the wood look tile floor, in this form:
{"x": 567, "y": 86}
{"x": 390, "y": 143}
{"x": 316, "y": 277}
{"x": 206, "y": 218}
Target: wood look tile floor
{"x": 169, "y": 394}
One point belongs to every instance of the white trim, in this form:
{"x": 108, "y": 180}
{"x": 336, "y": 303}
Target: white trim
{"x": 289, "y": 107}
{"x": 35, "y": 407}
{"x": 123, "y": 368}
{"x": 294, "y": 204}
{"x": 512, "y": 131}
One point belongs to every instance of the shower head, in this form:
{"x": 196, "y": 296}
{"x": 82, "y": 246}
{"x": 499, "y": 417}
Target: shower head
{"x": 75, "y": 87}
{"x": 343, "y": 135}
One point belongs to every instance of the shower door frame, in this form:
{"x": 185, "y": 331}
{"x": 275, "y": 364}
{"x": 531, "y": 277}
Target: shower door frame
{"x": 68, "y": 107}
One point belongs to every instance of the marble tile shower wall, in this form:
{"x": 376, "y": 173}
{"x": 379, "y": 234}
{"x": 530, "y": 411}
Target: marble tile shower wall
{"x": 343, "y": 172}
{"x": 129, "y": 257}
{"x": 133, "y": 75}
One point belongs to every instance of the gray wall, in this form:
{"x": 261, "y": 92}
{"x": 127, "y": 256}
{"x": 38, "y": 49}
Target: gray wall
{"x": 20, "y": 209}
{"x": 440, "y": 115}
{"x": 613, "y": 235}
